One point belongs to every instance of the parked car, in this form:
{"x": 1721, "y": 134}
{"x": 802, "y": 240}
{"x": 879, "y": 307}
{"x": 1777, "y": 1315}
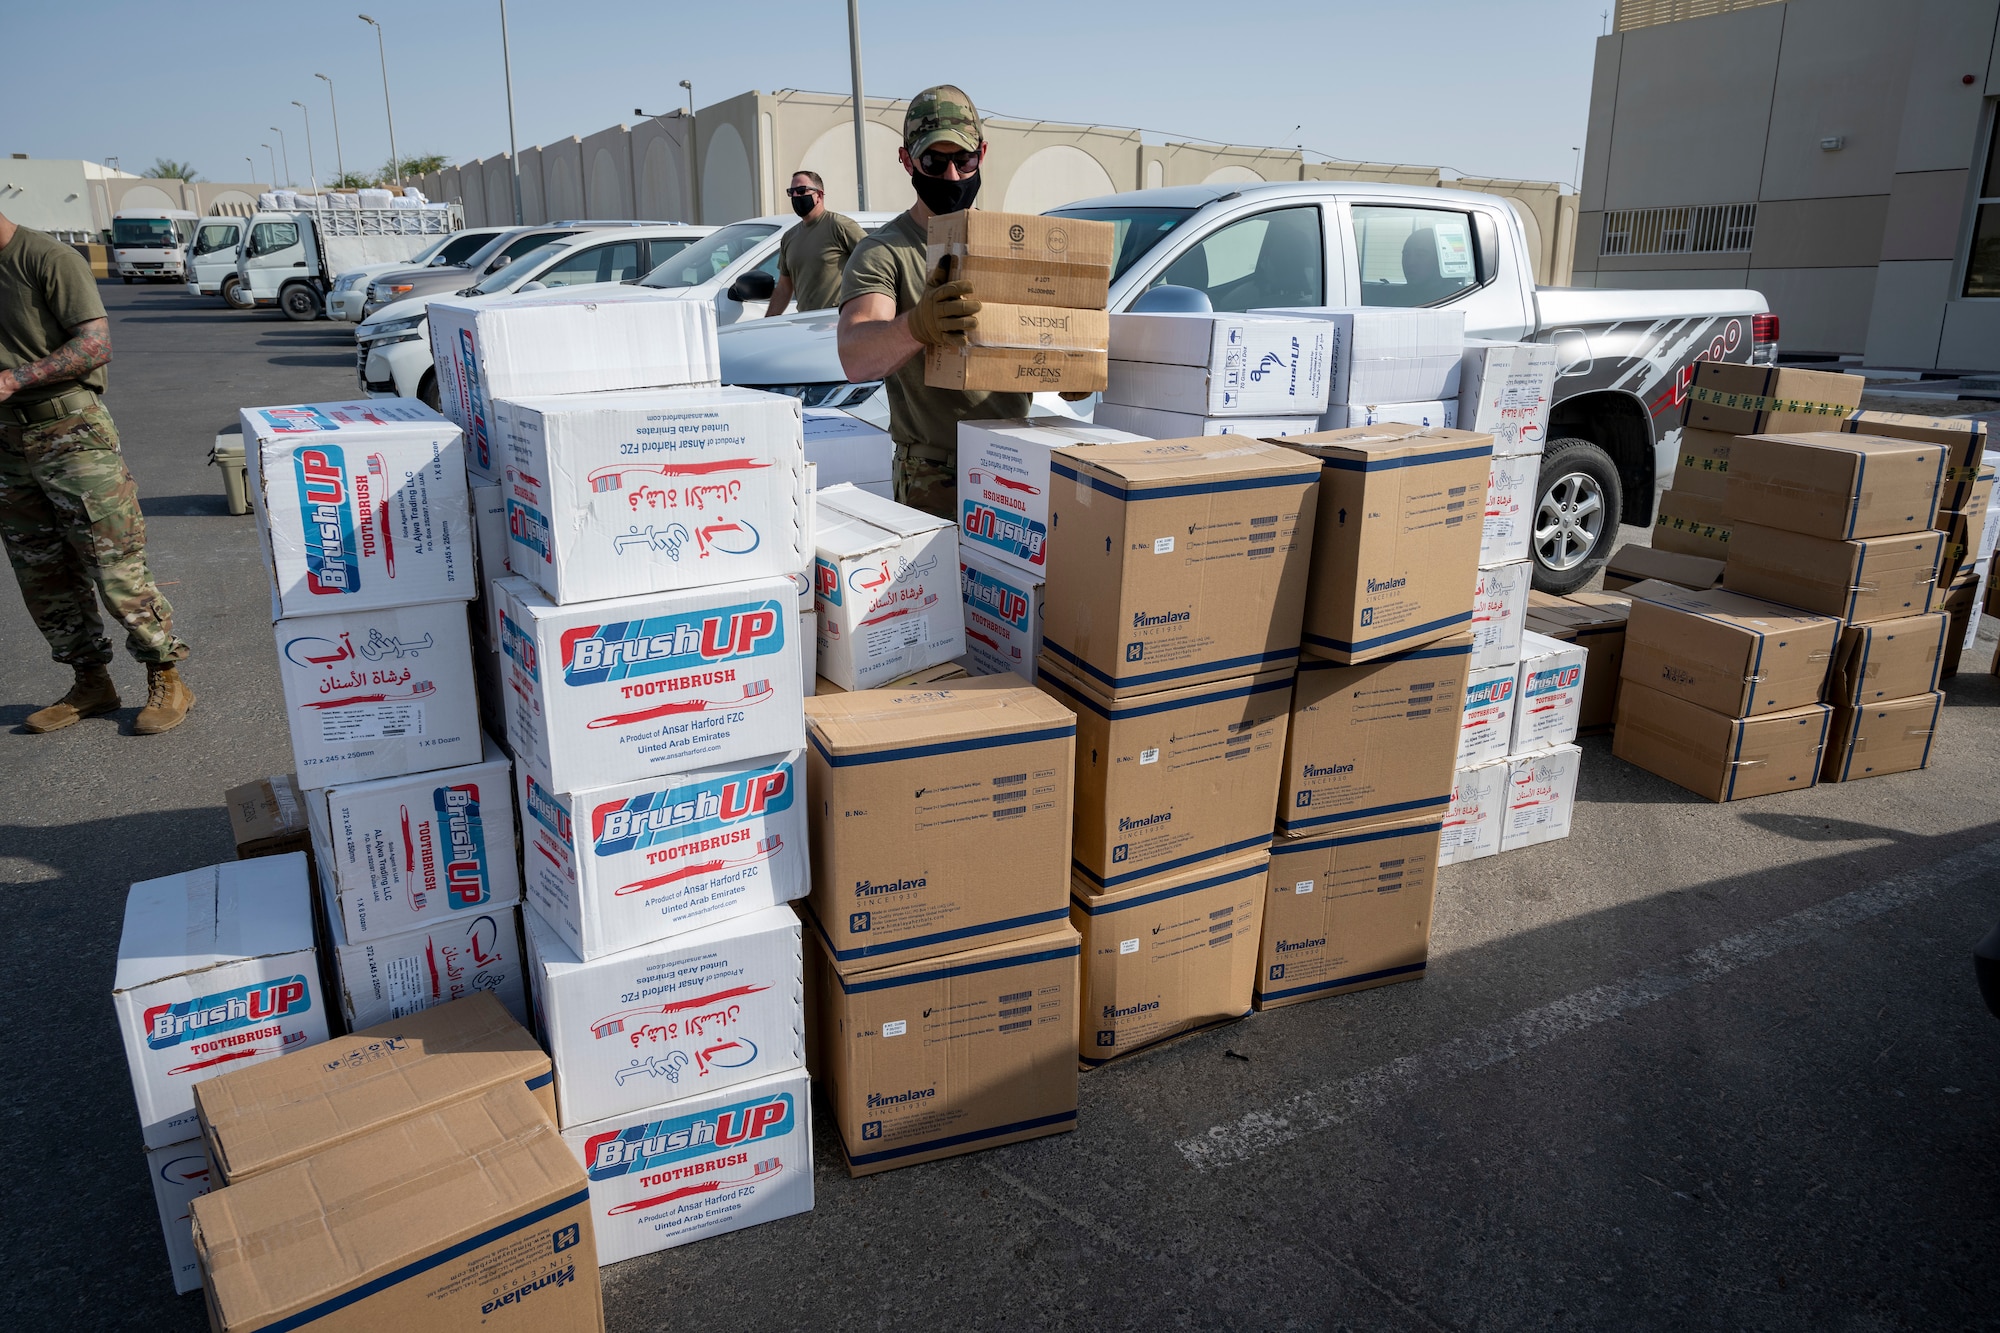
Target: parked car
{"x": 735, "y": 268}
{"x": 402, "y": 284}
{"x": 350, "y": 289}
{"x": 211, "y": 262}
{"x": 290, "y": 259}
{"x": 1624, "y": 358}
{"x": 393, "y": 345}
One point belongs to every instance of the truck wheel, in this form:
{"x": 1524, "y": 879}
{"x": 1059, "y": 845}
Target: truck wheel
{"x": 230, "y": 296}
{"x": 128, "y": 279}
{"x": 1578, "y": 505}
{"x": 427, "y": 392}
{"x": 299, "y": 302}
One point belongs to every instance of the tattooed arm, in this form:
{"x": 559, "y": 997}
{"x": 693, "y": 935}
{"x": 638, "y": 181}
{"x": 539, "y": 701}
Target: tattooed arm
{"x": 89, "y": 347}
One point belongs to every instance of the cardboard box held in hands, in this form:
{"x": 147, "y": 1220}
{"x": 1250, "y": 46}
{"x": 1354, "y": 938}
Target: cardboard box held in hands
{"x": 1025, "y": 258}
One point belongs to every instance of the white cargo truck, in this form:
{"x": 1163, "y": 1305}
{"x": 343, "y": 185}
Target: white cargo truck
{"x": 211, "y": 263}
{"x": 291, "y": 259}
{"x": 151, "y": 243}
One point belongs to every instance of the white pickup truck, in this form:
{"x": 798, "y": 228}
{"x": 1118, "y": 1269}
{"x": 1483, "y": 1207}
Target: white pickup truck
{"x": 290, "y": 260}
{"x": 1624, "y": 358}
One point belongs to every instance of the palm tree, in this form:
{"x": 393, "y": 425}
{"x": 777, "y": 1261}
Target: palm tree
{"x": 165, "y": 168}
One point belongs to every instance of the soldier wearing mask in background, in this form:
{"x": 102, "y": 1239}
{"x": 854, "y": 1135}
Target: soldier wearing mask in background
{"x": 813, "y": 253}
{"x": 892, "y": 309}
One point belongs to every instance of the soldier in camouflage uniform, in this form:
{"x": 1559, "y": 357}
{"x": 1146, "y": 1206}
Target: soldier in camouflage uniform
{"x": 892, "y": 308}
{"x": 69, "y": 509}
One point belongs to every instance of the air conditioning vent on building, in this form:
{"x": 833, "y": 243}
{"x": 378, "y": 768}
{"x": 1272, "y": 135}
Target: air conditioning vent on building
{"x": 1705, "y": 229}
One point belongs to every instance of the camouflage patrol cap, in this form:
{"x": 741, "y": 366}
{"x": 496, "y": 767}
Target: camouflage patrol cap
{"x": 943, "y": 114}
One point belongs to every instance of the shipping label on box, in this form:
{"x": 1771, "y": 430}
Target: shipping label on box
{"x": 1003, "y": 617}
{"x": 612, "y": 495}
{"x": 845, "y": 448}
{"x": 1871, "y": 578}
{"x": 1507, "y": 535}
{"x": 1168, "y": 954}
{"x": 612, "y": 868}
{"x": 268, "y": 817}
{"x": 888, "y": 595}
{"x": 613, "y": 692}
{"x": 1540, "y": 796}
{"x": 1506, "y": 390}
{"x": 1381, "y": 354}
{"x": 374, "y": 694}
{"x": 384, "y": 979}
{"x": 1716, "y": 756}
{"x": 706, "y": 1164}
{"x": 1346, "y": 913}
{"x": 180, "y": 1176}
{"x": 215, "y": 968}
{"x": 360, "y": 505}
{"x": 1742, "y": 399}
{"x": 697, "y": 1011}
{"x": 1839, "y": 487}
{"x": 1220, "y": 364}
{"x": 1888, "y": 659}
{"x": 1487, "y": 731}
{"x": 1472, "y": 823}
{"x": 1728, "y": 653}
{"x": 1499, "y": 613}
{"x": 1003, "y": 484}
{"x": 1874, "y": 740}
{"x": 399, "y": 853}
{"x": 1339, "y": 416}
{"x": 1549, "y": 695}
{"x": 1152, "y": 424}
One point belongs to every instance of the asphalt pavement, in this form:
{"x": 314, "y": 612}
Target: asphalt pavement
{"x": 1696, "y": 1067}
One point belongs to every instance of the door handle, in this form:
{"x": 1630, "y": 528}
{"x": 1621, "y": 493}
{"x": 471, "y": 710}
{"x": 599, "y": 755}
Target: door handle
{"x": 300, "y": 264}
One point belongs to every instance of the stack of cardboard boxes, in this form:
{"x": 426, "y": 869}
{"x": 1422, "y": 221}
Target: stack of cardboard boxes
{"x": 887, "y": 586}
{"x": 1042, "y": 283}
{"x": 1184, "y": 376}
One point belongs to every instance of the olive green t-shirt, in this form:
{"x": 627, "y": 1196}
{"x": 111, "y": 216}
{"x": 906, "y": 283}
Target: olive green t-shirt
{"x": 891, "y": 261}
{"x": 813, "y": 254}
{"x": 45, "y": 291}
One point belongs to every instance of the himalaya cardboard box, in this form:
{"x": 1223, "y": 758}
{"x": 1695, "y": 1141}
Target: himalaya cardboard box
{"x": 704, "y": 1010}
{"x": 359, "y": 505}
{"x": 1396, "y": 545}
{"x": 215, "y": 969}
{"x": 1632, "y": 564}
{"x": 1692, "y": 524}
{"x": 374, "y": 694}
{"x": 1168, "y": 954}
{"x": 1218, "y": 365}
{"x": 846, "y": 448}
{"x": 614, "y": 692}
{"x": 1176, "y": 562}
{"x": 1487, "y": 731}
{"x": 1003, "y": 616}
{"x": 1506, "y": 390}
{"x": 180, "y": 1176}
{"x": 712, "y": 1162}
{"x": 1471, "y": 825}
{"x": 1339, "y": 416}
{"x": 940, "y": 817}
{"x": 1500, "y": 613}
{"x": 1840, "y": 487}
{"x": 1505, "y": 537}
{"x": 1881, "y": 738}
{"x": 1385, "y": 355}
{"x": 650, "y": 490}
{"x": 1003, "y": 484}
{"x": 1703, "y": 468}
{"x": 610, "y": 868}
{"x": 489, "y": 524}
{"x": 266, "y": 1116}
{"x": 399, "y": 853}
{"x": 394, "y": 977}
{"x": 1725, "y": 652}
{"x": 1871, "y": 578}
{"x": 1549, "y": 693}
{"x": 472, "y": 1216}
{"x": 1346, "y": 913}
{"x": 530, "y": 343}
{"x": 1540, "y": 796}
{"x": 1025, "y": 258}
{"x": 1716, "y": 756}
{"x": 1964, "y": 440}
{"x": 938, "y": 1057}
{"x": 1170, "y": 779}
{"x": 268, "y": 817}
{"x": 1375, "y": 742}
{"x": 1888, "y": 659}
{"x": 1594, "y": 622}
{"x": 1153, "y": 424}
{"x": 888, "y": 594}
{"x": 1742, "y": 399}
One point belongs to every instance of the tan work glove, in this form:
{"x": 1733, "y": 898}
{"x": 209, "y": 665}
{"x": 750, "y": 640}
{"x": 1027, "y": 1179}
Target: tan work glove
{"x": 946, "y": 314}
{"x": 1075, "y": 395}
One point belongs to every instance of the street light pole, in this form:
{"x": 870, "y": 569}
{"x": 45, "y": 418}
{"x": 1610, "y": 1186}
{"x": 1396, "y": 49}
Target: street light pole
{"x": 251, "y": 163}
{"x": 860, "y": 115}
{"x": 694, "y": 177}
{"x": 284, "y": 148}
{"x": 513, "y": 151}
{"x": 274, "y": 165}
{"x": 312, "y": 168}
{"x": 339, "y": 162}
{"x": 395, "y": 162}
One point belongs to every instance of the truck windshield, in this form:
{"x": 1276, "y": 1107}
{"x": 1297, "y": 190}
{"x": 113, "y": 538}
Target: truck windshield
{"x": 215, "y": 236}
{"x": 1139, "y": 229}
{"x": 267, "y": 238}
{"x": 143, "y": 233}
{"x": 708, "y": 256}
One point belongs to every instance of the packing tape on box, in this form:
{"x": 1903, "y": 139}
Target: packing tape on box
{"x": 1712, "y": 531}
{"x": 1756, "y": 402}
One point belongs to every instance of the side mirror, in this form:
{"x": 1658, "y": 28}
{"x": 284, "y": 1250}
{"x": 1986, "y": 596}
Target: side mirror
{"x": 1167, "y": 299}
{"x": 753, "y": 286}
{"x": 533, "y": 287}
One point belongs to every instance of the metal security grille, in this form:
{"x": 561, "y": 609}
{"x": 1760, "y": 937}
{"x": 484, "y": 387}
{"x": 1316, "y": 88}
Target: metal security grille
{"x": 1708, "y": 229}
{"x": 1651, "y": 13}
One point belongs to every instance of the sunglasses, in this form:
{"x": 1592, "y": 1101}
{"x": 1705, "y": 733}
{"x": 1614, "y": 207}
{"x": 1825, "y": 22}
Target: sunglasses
{"x": 801, "y": 191}
{"x": 932, "y": 161}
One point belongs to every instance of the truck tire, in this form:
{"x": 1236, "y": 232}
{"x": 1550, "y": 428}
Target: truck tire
{"x": 127, "y": 277}
{"x": 427, "y": 391}
{"x": 299, "y": 302}
{"x": 228, "y": 291}
{"x": 1578, "y": 505}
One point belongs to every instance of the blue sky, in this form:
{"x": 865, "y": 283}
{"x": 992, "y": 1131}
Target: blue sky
{"x": 1482, "y": 88}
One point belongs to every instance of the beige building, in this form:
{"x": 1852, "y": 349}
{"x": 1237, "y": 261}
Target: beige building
{"x": 745, "y": 149}
{"x": 1836, "y": 155}
{"x": 74, "y": 200}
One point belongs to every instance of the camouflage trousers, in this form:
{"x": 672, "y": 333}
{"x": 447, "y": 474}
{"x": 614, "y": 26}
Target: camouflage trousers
{"x": 69, "y": 514}
{"x": 925, "y": 480}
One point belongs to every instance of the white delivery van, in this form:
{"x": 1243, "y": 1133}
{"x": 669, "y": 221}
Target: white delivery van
{"x": 151, "y": 243}
{"x": 291, "y": 259}
{"x": 211, "y": 263}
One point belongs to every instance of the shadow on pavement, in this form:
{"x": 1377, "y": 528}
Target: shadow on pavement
{"x": 184, "y": 506}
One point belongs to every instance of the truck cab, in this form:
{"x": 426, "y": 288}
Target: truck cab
{"x": 211, "y": 263}
{"x": 290, "y": 259}
{"x": 152, "y": 243}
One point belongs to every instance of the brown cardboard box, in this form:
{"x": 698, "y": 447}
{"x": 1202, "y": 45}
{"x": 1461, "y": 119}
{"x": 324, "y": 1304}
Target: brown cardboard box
{"x": 1964, "y": 440}
{"x": 268, "y": 817}
{"x": 1963, "y": 531}
{"x": 1343, "y": 914}
{"x": 1170, "y": 779}
{"x": 1740, "y": 399}
{"x": 1721, "y": 758}
{"x": 1598, "y": 627}
{"x": 1396, "y": 549}
{"x": 939, "y": 818}
{"x": 1728, "y": 653}
{"x": 471, "y": 1216}
{"x": 1959, "y": 603}
{"x": 1635, "y": 564}
{"x": 1167, "y": 955}
{"x": 1836, "y": 486}
{"x": 931, "y": 675}
{"x": 1888, "y": 659}
{"x": 1691, "y": 524}
{"x": 1545, "y": 601}
{"x": 1025, "y": 258}
{"x": 266, "y": 1116}
{"x": 1704, "y": 463}
{"x": 945, "y": 1056}
{"x": 1032, "y": 326}
{"x": 1015, "y": 369}
{"x": 1172, "y": 562}
{"x": 1871, "y": 578}
{"x": 1878, "y": 739}
{"x": 1373, "y": 743}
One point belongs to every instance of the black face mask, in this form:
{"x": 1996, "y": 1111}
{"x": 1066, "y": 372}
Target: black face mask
{"x": 941, "y": 196}
{"x": 802, "y": 204}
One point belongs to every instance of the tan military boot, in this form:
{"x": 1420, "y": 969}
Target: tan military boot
{"x": 92, "y": 694}
{"x": 167, "y": 700}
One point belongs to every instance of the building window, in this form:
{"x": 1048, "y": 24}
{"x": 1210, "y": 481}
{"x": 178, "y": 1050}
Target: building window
{"x": 1982, "y": 263}
{"x": 1713, "y": 229}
